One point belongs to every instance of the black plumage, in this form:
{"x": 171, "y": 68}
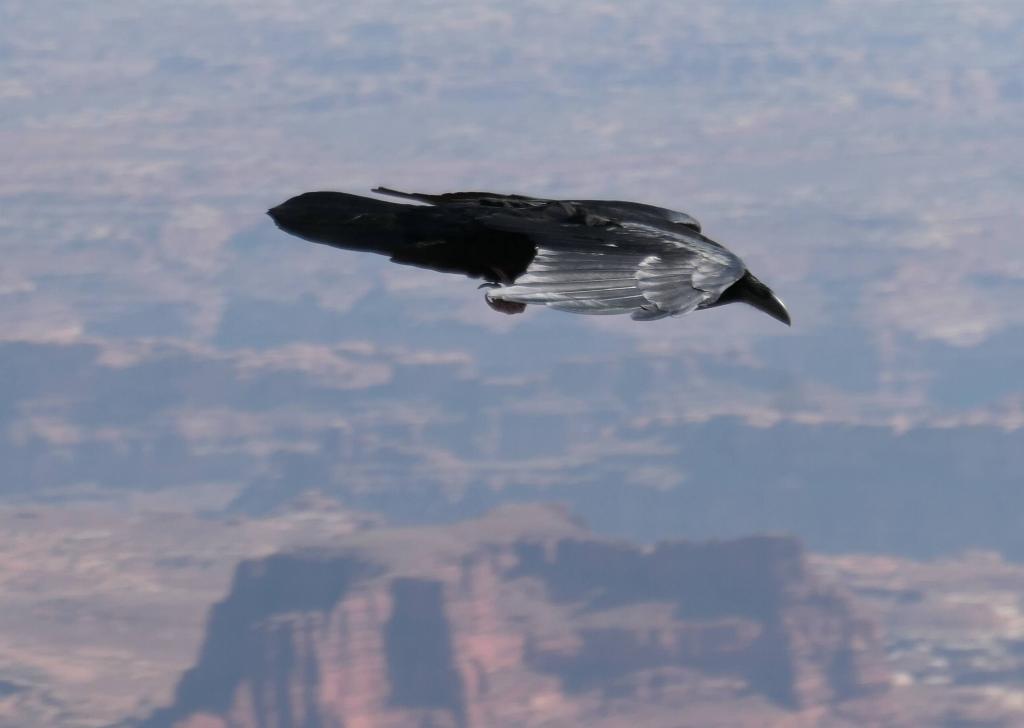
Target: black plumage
{"x": 583, "y": 256}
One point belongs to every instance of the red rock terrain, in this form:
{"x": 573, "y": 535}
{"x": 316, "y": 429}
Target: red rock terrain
{"x": 523, "y": 618}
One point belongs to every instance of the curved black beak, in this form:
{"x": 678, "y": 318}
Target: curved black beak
{"x": 773, "y": 306}
{"x": 749, "y": 290}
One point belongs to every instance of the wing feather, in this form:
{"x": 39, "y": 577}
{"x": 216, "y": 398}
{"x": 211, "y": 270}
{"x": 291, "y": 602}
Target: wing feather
{"x": 646, "y": 270}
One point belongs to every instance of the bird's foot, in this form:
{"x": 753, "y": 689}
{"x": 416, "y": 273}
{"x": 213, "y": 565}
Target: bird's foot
{"x": 508, "y": 307}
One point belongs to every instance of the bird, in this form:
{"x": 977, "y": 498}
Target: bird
{"x": 581, "y": 256}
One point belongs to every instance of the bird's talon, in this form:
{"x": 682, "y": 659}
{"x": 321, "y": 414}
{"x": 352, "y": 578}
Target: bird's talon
{"x": 506, "y": 307}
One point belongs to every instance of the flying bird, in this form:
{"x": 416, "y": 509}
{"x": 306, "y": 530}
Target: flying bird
{"x": 583, "y": 256}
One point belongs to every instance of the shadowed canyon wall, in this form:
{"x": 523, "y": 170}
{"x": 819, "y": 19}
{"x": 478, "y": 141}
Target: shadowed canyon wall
{"x": 523, "y": 618}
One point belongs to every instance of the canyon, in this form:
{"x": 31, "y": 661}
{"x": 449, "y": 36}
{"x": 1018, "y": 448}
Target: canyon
{"x": 525, "y": 618}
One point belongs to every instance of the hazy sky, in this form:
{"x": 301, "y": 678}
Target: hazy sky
{"x": 863, "y": 157}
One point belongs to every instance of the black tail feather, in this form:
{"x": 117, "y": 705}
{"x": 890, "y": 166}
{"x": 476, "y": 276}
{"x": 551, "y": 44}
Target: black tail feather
{"x": 438, "y": 238}
{"x": 345, "y": 221}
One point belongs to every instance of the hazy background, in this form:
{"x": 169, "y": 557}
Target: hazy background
{"x": 159, "y": 335}
{"x": 863, "y": 157}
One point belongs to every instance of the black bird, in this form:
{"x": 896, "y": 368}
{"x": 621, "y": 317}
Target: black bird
{"x": 584, "y": 256}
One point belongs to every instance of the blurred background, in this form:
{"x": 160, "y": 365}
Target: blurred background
{"x": 412, "y": 511}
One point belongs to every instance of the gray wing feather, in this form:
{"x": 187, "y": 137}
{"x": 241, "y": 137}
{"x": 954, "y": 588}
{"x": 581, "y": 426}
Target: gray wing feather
{"x": 607, "y": 285}
{"x": 611, "y": 272}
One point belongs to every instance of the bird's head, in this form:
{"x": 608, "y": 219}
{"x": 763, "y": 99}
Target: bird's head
{"x": 749, "y": 290}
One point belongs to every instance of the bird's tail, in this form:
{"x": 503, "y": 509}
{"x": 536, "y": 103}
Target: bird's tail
{"x": 439, "y": 238}
{"x": 348, "y": 221}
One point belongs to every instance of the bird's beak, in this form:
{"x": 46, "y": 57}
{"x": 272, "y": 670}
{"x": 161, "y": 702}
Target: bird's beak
{"x": 773, "y": 306}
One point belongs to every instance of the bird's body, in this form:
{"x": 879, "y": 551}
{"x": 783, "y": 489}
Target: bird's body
{"x": 583, "y": 256}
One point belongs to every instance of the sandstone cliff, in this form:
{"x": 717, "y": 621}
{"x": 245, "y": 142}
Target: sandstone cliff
{"x": 523, "y": 618}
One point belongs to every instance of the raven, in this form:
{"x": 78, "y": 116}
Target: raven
{"x": 583, "y": 256}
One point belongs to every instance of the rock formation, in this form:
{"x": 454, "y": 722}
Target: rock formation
{"x": 524, "y": 618}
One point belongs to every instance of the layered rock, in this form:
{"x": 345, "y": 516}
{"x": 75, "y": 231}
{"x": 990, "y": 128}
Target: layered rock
{"x": 524, "y": 618}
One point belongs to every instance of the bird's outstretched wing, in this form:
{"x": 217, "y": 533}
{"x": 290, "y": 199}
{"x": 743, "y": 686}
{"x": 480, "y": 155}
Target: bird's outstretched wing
{"x": 587, "y": 263}
{"x": 614, "y": 209}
